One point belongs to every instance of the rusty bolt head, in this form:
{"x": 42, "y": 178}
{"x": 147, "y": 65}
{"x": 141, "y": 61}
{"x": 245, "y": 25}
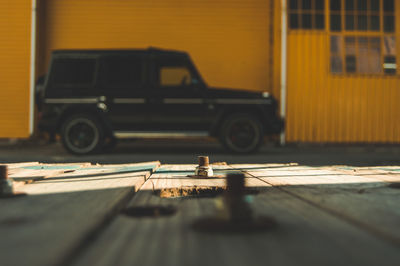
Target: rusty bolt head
{"x": 3, "y": 172}
{"x": 204, "y": 161}
{"x": 203, "y": 169}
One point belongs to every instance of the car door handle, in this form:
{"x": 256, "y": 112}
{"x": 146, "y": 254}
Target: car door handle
{"x": 154, "y": 100}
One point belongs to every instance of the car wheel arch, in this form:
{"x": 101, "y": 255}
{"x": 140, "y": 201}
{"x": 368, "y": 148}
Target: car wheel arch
{"x": 227, "y": 112}
{"x": 73, "y": 110}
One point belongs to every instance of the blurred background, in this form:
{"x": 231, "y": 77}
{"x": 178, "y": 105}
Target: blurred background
{"x": 332, "y": 65}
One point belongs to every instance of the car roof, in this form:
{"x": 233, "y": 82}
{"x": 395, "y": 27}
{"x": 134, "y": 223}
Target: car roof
{"x": 150, "y": 50}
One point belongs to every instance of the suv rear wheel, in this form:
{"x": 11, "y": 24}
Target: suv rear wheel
{"x": 82, "y": 134}
{"x": 241, "y": 133}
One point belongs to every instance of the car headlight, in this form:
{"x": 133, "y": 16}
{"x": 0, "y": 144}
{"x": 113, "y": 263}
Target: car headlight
{"x": 265, "y": 94}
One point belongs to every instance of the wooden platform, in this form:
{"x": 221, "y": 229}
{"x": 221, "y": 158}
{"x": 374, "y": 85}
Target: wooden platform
{"x": 143, "y": 214}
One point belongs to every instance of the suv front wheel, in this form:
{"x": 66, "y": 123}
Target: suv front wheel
{"x": 241, "y": 133}
{"x": 82, "y": 134}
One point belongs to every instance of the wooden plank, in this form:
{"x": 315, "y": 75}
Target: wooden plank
{"x": 59, "y": 214}
{"x": 388, "y": 173}
{"x": 362, "y": 199}
{"x": 29, "y": 173}
{"x": 17, "y": 165}
{"x": 306, "y": 235}
{"x": 175, "y": 180}
{"x": 32, "y": 172}
{"x": 23, "y": 173}
{"x": 90, "y": 178}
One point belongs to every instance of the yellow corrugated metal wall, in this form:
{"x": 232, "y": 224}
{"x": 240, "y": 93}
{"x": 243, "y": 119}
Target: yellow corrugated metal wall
{"x": 322, "y": 107}
{"x": 229, "y": 40}
{"x": 15, "y": 20}
{"x": 231, "y": 43}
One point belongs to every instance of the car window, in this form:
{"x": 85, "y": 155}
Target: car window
{"x": 174, "y": 76}
{"x": 121, "y": 72}
{"x": 173, "y": 71}
{"x": 73, "y": 72}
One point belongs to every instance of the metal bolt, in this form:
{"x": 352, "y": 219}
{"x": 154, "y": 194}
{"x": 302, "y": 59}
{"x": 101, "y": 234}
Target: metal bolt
{"x": 204, "y": 161}
{"x": 204, "y": 168}
{"x": 3, "y": 172}
{"x": 236, "y": 214}
{"x": 6, "y": 185}
{"x": 235, "y": 185}
{"x": 238, "y": 209}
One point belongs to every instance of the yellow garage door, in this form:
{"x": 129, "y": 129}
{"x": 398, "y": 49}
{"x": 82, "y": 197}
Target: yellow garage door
{"x": 229, "y": 40}
{"x": 14, "y": 68}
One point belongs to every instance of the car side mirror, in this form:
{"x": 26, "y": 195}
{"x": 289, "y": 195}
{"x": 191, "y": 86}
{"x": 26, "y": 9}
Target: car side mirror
{"x": 194, "y": 81}
{"x": 195, "y": 84}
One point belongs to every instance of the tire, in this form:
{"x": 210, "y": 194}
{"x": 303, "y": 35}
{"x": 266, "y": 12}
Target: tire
{"x": 109, "y": 144}
{"x": 241, "y": 133}
{"x": 82, "y": 134}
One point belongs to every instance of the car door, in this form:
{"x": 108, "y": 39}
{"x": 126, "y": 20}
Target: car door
{"x": 122, "y": 79}
{"x": 177, "y": 95}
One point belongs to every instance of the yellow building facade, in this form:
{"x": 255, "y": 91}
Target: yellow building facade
{"x": 352, "y": 99}
{"x": 333, "y": 90}
{"x": 15, "y": 29}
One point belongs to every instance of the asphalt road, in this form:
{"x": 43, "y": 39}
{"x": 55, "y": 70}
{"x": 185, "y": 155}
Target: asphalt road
{"x": 179, "y": 151}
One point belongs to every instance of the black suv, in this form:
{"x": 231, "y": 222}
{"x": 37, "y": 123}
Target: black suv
{"x": 93, "y": 97}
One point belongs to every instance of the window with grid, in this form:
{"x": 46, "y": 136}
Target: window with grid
{"x": 306, "y": 14}
{"x": 362, "y": 37}
{"x": 362, "y": 15}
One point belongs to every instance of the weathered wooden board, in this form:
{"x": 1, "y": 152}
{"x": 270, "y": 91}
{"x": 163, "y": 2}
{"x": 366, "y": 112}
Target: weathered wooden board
{"x": 360, "y": 197}
{"x": 306, "y": 234}
{"x": 27, "y": 172}
{"x": 17, "y": 165}
{"x": 387, "y": 173}
{"x": 333, "y": 215}
{"x": 62, "y": 213}
{"x": 86, "y": 178}
{"x": 181, "y": 177}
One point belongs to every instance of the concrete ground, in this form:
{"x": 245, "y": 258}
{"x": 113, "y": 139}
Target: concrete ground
{"x": 184, "y": 151}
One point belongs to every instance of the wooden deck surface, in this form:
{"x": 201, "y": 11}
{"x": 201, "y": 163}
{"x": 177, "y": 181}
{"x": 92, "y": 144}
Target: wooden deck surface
{"x": 83, "y": 214}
